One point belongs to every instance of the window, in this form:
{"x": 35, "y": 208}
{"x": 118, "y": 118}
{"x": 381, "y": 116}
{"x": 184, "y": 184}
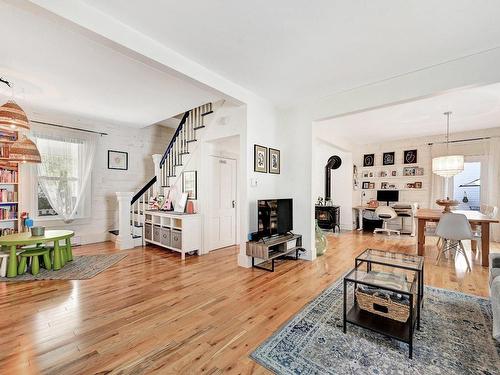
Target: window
{"x": 467, "y": 186}
{"x": 62, "y": 174}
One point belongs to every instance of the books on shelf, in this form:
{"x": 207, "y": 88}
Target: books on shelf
{"x": 7, "y": 136}
{"x": 7, "y": 175}
{"x": 9, "y": 212}
{"x": 4, "y": 150}
{"x": 8, "y": 196}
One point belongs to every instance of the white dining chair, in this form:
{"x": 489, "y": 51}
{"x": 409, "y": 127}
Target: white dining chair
{"x": 492, "y": 213}
{"x": 453, "y": 229}
{"x": 386, "y": 214}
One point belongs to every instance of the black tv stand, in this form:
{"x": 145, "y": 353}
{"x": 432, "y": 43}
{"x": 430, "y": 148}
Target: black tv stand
{"x": 274, "y": 248}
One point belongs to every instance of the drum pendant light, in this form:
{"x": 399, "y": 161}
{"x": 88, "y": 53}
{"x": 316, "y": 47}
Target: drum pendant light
{"x": 12, "y": 117}
{"x": 447, "y": 166}
{"x": 24, "y": 150}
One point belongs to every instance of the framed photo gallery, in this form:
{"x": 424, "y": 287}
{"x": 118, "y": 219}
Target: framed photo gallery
{"x": 266, "y": 160}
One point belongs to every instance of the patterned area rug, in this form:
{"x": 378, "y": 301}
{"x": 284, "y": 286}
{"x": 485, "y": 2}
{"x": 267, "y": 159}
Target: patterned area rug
{"x": 455, "y": 338}
{"x": 81, "y": 268}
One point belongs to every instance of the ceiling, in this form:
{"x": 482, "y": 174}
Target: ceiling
{"x": 57, "y": 70}
{"x": 293, "y": 50}
{"x": 472, "y": 109}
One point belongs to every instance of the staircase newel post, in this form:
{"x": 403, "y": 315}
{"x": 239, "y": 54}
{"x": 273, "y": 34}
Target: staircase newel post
{"x": 159, "y": 182}
{"x": 124, "y": 239}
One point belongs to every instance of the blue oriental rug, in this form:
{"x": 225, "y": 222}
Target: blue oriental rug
{"x": 455, "y": 338}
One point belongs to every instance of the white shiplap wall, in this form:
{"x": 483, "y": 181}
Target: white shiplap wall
{"x": 140, "y": 145}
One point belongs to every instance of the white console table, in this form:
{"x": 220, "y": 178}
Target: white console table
{"x": 174, "y": 231}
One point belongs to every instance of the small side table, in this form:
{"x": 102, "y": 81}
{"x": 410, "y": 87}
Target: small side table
{"x": 403, "y": 261}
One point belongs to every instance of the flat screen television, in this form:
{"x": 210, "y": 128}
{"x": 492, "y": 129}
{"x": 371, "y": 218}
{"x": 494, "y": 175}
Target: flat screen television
{"x": 275, "y": 216}
{"x": 388, "y": 196}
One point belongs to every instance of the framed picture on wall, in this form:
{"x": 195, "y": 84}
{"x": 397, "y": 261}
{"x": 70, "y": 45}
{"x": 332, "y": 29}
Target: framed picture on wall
{"x": 410, "y": 157}
{"x": 260, "y": 159}
{"x": 388, "y": 158}
{"x": 189, "y": 184}
{"x": 274, "y": 161}
{"x": 117, "y": 160}
{"x": 368, "y": 160}
{"x": 366, "y": 185}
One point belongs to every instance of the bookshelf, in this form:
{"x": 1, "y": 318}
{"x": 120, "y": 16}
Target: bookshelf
{"x": 10, "y": 221}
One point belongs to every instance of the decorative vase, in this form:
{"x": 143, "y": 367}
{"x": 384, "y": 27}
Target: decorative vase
{"x": 320, "y": 241}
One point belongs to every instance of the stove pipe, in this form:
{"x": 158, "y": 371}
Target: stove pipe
{"x": 334, "y": 162}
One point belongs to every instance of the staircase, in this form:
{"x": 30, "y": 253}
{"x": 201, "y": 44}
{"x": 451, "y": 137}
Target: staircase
{"x": 168, "y": 170}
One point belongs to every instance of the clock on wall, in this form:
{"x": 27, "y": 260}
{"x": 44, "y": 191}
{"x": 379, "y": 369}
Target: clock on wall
{"x": 410, "y": 156}
{"x": 368, "y": 160}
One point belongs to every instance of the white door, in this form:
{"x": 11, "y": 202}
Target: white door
{"x": 222, "y": 203}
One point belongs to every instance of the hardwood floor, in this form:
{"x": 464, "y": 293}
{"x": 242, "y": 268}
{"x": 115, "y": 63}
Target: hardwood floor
{"x": 152, "y": 313}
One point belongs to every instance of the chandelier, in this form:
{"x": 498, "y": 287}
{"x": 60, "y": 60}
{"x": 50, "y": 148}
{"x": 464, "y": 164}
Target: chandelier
{"x": 449, "y": 165}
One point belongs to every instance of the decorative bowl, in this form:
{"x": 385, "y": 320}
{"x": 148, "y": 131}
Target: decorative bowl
{"x": 37, "y": 231}
{"x": 447, "y": 204}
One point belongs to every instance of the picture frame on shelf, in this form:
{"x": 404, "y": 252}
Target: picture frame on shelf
{"x": 409, "y": 171}
{"x": 372, "y": 185}
{"x": 384, "y": 185}
{"x": 388, "y": 158}
{"x": 190, "y": 184}
{"x": 260, "y": 159}
{"x": 419, "y": 171}
{"x": 383, "y": 174}
{"x": 394, "y": 173}
{"x": 368, "y": 160}
{"x": 180, "y": 206}
{"x": 410, "y": 157}
{"x": 118, "y": 160}
{"x": 418, "y": 184}
{"x": 366, "y": 185}
{"x": 274, "y": 161}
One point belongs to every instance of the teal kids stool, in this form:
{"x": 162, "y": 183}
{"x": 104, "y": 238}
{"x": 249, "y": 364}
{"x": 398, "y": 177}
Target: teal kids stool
{"x": 35, "y": 262}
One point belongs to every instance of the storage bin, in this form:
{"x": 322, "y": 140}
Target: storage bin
{"x": 176, "y": 238}
{"x": 148, "y": 232}
{"x": 381, "y": 304}
{"x": 156, "y": 233}
{"x": 165, "y": 236}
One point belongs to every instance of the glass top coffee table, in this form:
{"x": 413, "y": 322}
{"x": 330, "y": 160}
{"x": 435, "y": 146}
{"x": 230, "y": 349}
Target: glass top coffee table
{"x": 394, "y": 287}
{"x": 403, "y": 261}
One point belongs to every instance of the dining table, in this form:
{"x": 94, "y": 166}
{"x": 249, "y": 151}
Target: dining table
{"x": 475, "y": 218}
{"x": 11, "y": 243}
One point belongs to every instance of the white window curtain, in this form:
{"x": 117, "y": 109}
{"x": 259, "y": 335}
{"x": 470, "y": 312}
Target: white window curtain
{"x": 492, "y": 196}
{"x": 67, "y": 163}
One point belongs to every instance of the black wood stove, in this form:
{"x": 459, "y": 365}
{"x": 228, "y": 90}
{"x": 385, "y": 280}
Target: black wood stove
{"x": 328, "y": 217}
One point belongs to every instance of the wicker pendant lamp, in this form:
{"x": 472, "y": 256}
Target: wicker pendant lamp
{"x": 12, "y": 117}
{"x": 24, "y": 150}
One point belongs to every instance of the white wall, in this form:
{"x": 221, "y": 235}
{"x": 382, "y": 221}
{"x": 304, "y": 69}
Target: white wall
{"x": 341, "y": 181}
{"x": 140, "y": 145}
